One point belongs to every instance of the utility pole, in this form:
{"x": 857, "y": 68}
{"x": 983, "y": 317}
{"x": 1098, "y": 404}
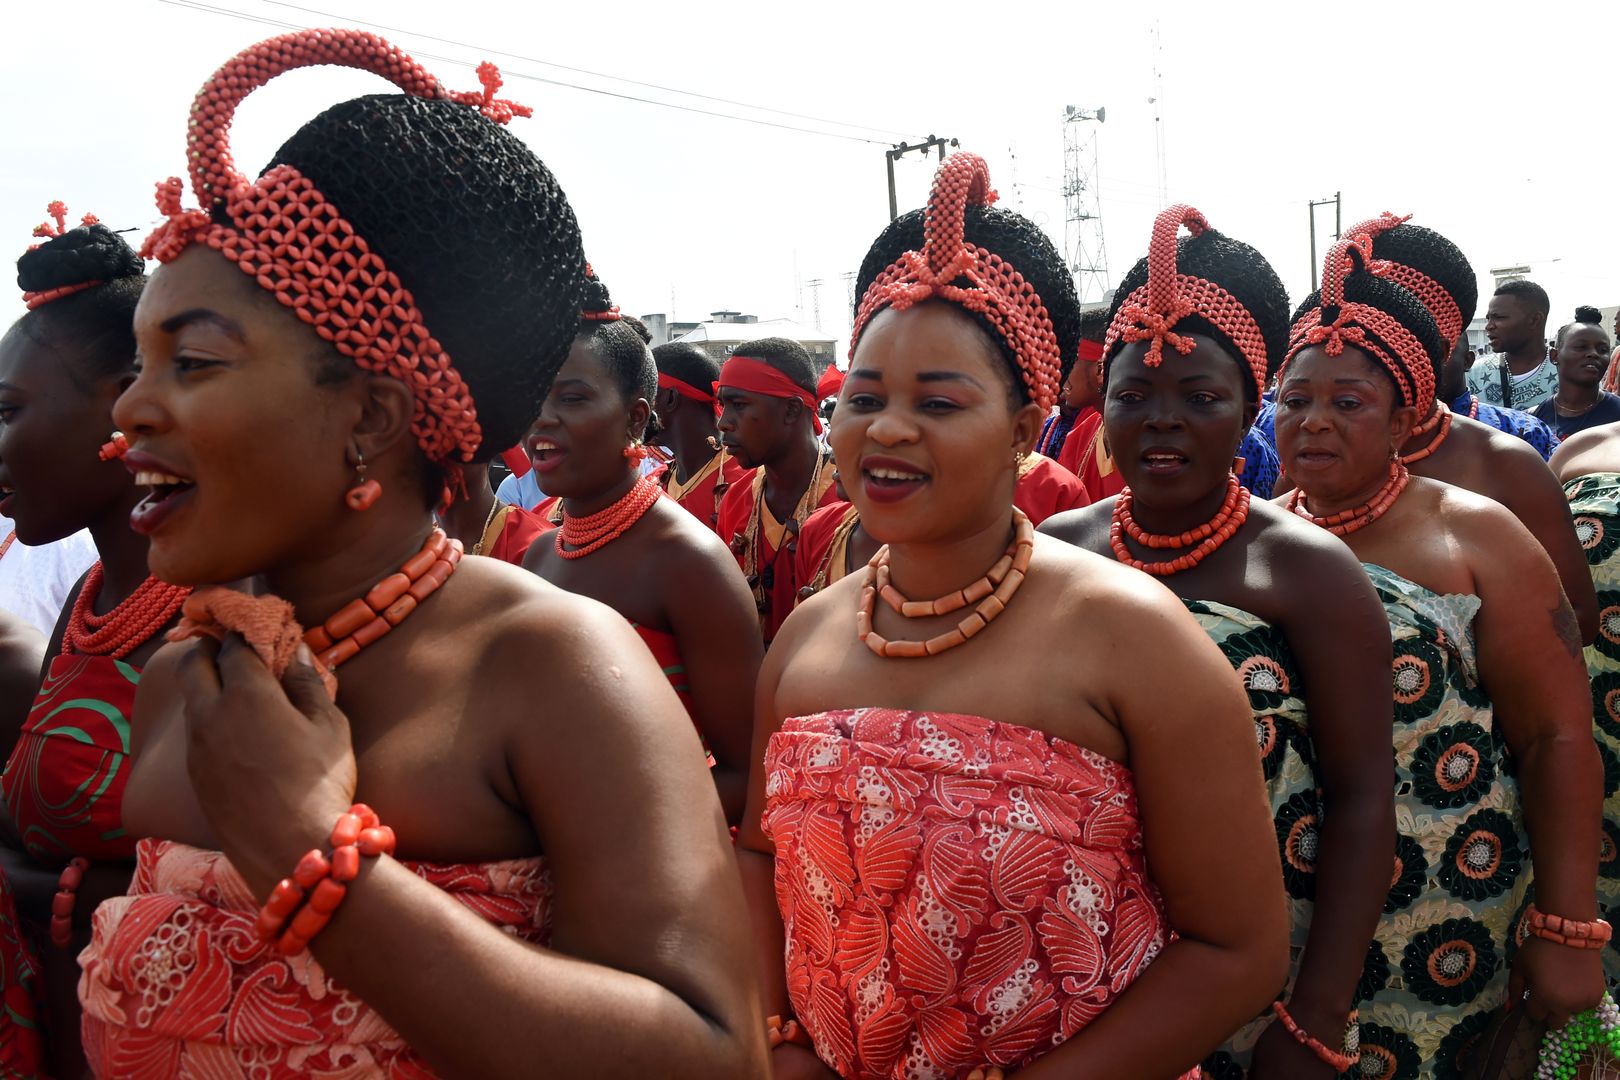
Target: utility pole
{"x": 894, "y": 154}
{"x": 814, "y": 285}
{"x": 1082, "y": 209}
{"x": 1337, "y": 226}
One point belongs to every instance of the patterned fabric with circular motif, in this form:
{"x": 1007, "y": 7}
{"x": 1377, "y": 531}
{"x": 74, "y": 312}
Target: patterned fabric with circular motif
{"x": 1594, "y": 500}
{"x": 1265, "y": 664}
{"x": 1441, "y": 951}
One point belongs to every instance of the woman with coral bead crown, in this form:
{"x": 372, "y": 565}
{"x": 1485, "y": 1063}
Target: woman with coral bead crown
{"x": 366, "y": 848}
{"x": 1494, "y": 761}
{"x": 993, "y": 862}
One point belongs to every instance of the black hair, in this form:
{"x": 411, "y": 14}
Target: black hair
{"x": 639, "y": 327}
{"x": 1362, "y": 287}
{"x": 1585, "y": 315}
{"x": 96, "y": 324}
{"x": 1241, "y": 271}
{"x": 474, "y": 225}
{"x": 785, "y": 355}
{"x": 691, "y": 365}
{"x": 1435, "y": 256}
{"x": 618, "y": 346}
{"x": 1020, "y": 243}
{"x": 1527, "y": 292}
{"x": 1094, "y": 324}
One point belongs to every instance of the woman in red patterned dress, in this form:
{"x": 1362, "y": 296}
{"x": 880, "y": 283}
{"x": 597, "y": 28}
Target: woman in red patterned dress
{"x": 948, "y": 859}
{"x": 321, "y": 352}
{"x": 61, "y": 367}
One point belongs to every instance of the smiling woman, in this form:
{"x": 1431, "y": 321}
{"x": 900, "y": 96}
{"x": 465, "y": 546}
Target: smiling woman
{"x": 323, "y": 350}
{"x": 955, "y": 853}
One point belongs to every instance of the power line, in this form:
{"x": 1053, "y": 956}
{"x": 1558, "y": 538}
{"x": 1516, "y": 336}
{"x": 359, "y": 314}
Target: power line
{"x": 196, "y": 5}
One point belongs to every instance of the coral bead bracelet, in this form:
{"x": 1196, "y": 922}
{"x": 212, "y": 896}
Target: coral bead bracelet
{"x": 300, "y": 906}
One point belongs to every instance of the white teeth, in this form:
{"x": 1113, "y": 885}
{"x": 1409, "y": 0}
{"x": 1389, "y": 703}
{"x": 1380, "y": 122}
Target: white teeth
{"x": 545, "y": 444}
{"x": 159, "y": 479}
{"x": 890, "y": 474}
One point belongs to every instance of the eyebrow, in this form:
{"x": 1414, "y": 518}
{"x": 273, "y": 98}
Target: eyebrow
{"x": 175, "y": 323}
{"x": 1197, "y": 376}
{"x": 922, "y": 376}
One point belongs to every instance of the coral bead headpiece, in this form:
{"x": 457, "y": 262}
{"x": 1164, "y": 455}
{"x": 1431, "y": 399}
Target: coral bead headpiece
{"x": 1337, "y": 322}
{"x": 1150, "y": 313}
{"x": 46, "y": 231}
{"x": 971, "y": 277}
{"x": 283, "y": 233}
{"x": 1435, "y": 296}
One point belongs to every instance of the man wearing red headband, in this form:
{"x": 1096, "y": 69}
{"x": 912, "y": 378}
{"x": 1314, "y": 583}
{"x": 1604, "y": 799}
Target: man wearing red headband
{"x": 700, "y": 471}
{"x": 768, "y": 422}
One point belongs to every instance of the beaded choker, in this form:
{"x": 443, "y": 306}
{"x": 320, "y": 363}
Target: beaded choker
{"x": 363, "y": 621}
{"x": 991, "y": 593}
{"x": 1209, "y": 536}
{"x": 126, "y": 627}
{"x": 1440, "y": 418}
{"x": 1346, "y": 522}
{"x": 596, "y": 531}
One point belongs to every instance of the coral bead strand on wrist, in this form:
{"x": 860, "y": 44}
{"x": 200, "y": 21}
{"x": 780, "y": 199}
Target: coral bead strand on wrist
{"x": 1576, "y": 934}
{"x": 578, "y": 537}
{"x": 62, "y": 904}
{"x": 1339, "y": 1062}
{"x": 126, "y": 627}
{"x": 300, "y": 906}
{"x": 1213, "y": 533}
{"x": 779, "y": 1031}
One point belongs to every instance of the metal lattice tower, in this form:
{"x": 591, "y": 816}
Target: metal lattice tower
{"x": 1082, "y": 210}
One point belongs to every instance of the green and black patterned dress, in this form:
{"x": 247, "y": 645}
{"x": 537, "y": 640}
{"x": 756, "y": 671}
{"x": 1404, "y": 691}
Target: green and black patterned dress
{"x": 1439, "y": 961}
{"x": 1595, "y": 502}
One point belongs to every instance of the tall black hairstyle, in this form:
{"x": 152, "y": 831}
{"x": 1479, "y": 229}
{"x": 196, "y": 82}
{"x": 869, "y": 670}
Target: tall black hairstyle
{"x": 785, "y": 355}
{"x": 94, "y": 326}
{"x": 474, "y": 225}
{"x": 1431, "y": 253}
{"x": 691, "y": 365}
{"x": 1241, "y": 271}
{"x": 1020, "y": 243}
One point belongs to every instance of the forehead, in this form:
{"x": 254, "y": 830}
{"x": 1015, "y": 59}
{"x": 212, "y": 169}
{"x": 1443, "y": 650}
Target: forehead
{"x": 1208, "y": 358}
{"x": 1313, "y": 364}
{"x": 1586, "y": 334}
{"x": 25, "y": 361}
{"x": 200, "y": 278}
{"x": 1506, "y": 303}
{"x": 933, "y": 335}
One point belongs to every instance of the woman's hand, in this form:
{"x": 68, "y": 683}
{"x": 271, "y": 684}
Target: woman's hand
{"x": 272, "y": 763}
{"x": 1279, "y": 1056}
{"x": 790, "y": 1061}
{"x": 1562, "y": 981}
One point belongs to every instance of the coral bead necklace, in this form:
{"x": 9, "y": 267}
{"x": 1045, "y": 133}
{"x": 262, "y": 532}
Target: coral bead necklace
{"x": 1346, "y": 522}
{"x": 595, "y": 531}
{"x": 1441, "y": 418}
{"x": 1209, "y": 536}
{"x": 364, "y": 620}
{"x": 126, "y": 627}
{"x": 991, "y": 593}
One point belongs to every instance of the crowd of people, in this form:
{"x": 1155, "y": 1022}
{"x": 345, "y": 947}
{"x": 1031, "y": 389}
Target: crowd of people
{"x": 1299, "y": 756}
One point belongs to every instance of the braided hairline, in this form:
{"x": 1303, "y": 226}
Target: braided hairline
{"x": 996, "y": 290}
{"x": 290, "y": 239}
{"x": 1376, "y": 332}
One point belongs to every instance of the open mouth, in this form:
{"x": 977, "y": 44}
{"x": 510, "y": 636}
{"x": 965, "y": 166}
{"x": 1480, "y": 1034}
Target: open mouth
{"x": 1164, "y": 461}
{"x": 1314, "y": 459}
{"x": 168, "y": 493}
{"x": 546, "y": 455}
{"x": 891, "y": 481}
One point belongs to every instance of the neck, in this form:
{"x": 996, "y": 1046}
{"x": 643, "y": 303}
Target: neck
{"x": 1171, "y": 520}
{"x": 926, "y": 570}
{"x": 122, "y": 552}
{"x": 465, "y": 519}
{"x": 689, "y": 440}
{"x": 597, "y": 501}
{"x": 787, "y": 476}
{"x": 1327, "y": 505}
{"x": 1527, "y": 357}
{"x": 1571, "y": 396}
{"x": 357, "y": 555}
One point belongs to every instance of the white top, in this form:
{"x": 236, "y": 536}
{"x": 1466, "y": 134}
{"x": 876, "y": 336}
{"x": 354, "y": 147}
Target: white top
{"x": 35, "y": 581}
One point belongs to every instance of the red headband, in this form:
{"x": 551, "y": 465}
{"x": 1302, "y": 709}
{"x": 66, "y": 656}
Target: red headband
{"x": 755, "y": 376}
{"x": 58, "y": 210}
{"x": 1090, "y": 352}
{"x": 994, "y": 288}
{"x": 1435, "y": 296}
{"x": 830, "y": 383}
{"x": 687, "y": 390}
{"x": 1152, "y": 310}
{"x": 1371, "y": 329}
{"x": 286, "y": 236}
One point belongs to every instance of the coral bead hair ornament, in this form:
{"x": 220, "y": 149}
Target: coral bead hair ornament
{"x": 980, "y": 281}
{"x": 284, "y": 234}
{"x": 46, "y": 231}
{"x": 1150, "y": 313}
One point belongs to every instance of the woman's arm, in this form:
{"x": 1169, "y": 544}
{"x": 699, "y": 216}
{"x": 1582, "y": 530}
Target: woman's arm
{"x": 649, "y": 972}
{"x": 1211, "y": 848}
{"x": 1340, "y": 637}
{"x": 1531, "y": 664}
{"x": 716, "y": 628}
{"x": 22, "y": 652}
{"x": 1532, "y": 492}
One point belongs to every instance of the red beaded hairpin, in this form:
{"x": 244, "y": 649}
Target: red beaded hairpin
{"x": 994, "y": 288}
{"x": 1368, "y": 328}
{"x": 1435, "y": 296}
{"x": 58, "y": 210}
{"x": 284, "y": 234}
{"x": 1152, "y": 310}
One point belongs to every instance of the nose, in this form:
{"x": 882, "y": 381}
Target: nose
{"x": 727, "y": 421}
{"x": 139, "y": 409}
{"x": 891, "y": 428}
{"x": 1162, "y": 415}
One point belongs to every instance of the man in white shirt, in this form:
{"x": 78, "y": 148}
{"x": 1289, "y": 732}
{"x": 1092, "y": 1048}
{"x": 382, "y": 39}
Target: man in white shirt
{"x": 36, "y": 581}
{"x": 1517, "y": 373}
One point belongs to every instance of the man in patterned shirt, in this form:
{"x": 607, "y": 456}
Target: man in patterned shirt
{"x": 1517, "y": 374}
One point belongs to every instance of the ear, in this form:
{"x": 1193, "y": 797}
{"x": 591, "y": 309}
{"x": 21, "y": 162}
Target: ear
{"x": 1401, "y": 423}
{"x": 387, "y": 407}
{"x": 792, "y": 409}
{"x": 1251, "y": 409}
{"x": 640, "y": 410}
{"x": 1027, "y": 423}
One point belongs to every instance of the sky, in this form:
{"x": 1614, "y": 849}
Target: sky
{"x": 1490, "y": 122}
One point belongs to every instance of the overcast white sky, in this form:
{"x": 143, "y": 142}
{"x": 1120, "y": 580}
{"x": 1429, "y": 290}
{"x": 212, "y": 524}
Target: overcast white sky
{"x": 1493, "y": 122}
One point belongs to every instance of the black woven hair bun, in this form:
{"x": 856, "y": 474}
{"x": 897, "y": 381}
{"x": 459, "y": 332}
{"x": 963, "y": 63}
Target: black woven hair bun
{"x": 1586, "y": 313}
{"x": 476, "y": 227}
{"x": 86, "y": 253}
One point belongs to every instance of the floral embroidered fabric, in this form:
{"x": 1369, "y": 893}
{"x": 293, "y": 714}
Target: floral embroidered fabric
{"x": 1438, "y": 964}
{"x": 1595, "y": 502}
{"x": 956, "y": 892}
{"x": 176, "y": 982}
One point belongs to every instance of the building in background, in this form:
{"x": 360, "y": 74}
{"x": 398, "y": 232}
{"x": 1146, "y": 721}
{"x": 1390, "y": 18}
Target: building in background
{"x": 720, "y": 335}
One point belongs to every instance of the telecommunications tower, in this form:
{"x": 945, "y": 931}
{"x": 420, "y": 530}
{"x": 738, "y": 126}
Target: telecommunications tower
{"x": 1082, "y": 209}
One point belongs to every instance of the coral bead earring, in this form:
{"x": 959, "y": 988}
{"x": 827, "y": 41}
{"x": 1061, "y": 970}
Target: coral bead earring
{"x": 365, "y": 492}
